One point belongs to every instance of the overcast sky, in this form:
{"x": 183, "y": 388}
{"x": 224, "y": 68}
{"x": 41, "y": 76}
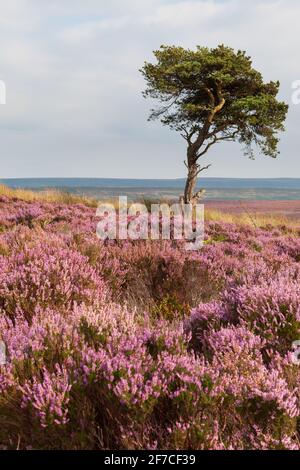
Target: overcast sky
{"x": 74, "y": 104}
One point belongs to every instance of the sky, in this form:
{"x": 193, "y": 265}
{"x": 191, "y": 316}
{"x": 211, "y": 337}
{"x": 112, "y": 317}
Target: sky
{"x": 74, "y": 105}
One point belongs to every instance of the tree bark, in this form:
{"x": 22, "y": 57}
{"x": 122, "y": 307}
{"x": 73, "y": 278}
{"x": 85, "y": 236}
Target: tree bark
{"x": 190, "y": 184}
{"x": 194, "y": 147}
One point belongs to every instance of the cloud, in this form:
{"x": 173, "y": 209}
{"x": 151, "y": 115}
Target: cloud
{"x": 186, "y": 14}
{"x": 91, "y": 30}
{"x": 74, "y": 104}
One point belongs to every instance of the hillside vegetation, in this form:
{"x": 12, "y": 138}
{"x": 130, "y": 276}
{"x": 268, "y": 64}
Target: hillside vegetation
{"x": 141, "y": 344}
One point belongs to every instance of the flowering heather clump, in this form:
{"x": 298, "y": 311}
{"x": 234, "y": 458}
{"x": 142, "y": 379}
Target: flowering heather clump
{"x": 48, "y": 396}
{"x": 44, "y": 276}
{"x": 143, "y": 345}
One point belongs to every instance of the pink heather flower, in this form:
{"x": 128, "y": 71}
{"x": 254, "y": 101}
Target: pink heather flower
{"x": 84, "y": 348}
{"x": 47, "y": 276}
{"x": 48, "y": 398}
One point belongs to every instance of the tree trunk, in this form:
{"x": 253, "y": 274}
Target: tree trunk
{"x": 190, "y": 184}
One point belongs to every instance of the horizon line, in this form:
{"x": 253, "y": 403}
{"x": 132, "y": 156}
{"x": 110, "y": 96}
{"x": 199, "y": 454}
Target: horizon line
{"x": 145, "y": 179}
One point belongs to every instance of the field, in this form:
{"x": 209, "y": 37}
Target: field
{"x": 143, "y": 345}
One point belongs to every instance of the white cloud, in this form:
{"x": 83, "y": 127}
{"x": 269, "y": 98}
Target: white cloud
{"x": 186, "y": 14}
{"x": 74, "y": 90}
{"x": 91, "y": 30}
{"x": 16, "y": 16}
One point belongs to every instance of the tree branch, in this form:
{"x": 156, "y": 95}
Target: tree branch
{"x": 203, "y": 134}
{"x": 166, "y": 108}
{"x": 207, "y": 147}
{"x": 229, "y": 137}
{"x": 188, "y": 135}
{"x": 203, "y": 168}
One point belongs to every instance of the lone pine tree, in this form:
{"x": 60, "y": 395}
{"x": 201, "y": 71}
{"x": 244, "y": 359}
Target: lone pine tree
{"x": 214, "y": 95}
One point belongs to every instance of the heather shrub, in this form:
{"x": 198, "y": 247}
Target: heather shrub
{"x": 141, "y": 344}
{"x": 158, "y": 271}
{"x": 245, "y": 389}
{"x": 206, "y": 317}
{"x": 169, "y": 308}
{"x": 46, "y": 276}
{"x": 271, "y": 310}
{"x": 106, "y": 259}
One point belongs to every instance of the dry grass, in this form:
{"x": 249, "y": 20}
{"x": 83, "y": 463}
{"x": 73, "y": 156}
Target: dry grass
{"x": 49, "y": 195}
{"x": 255, "y": 219}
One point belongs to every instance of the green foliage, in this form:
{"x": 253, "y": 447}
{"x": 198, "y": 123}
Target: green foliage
{"x": 213, "y": 95}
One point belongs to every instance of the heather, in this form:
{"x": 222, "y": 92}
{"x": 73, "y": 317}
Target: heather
{"x": 141, "y": 344}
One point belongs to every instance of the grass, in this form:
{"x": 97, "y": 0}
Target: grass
{"x": 257, "y": 219}
{"x": 49, "y": 195}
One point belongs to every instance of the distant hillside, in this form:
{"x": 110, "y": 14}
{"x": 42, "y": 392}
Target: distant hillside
{"x": 219, "y": 183}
